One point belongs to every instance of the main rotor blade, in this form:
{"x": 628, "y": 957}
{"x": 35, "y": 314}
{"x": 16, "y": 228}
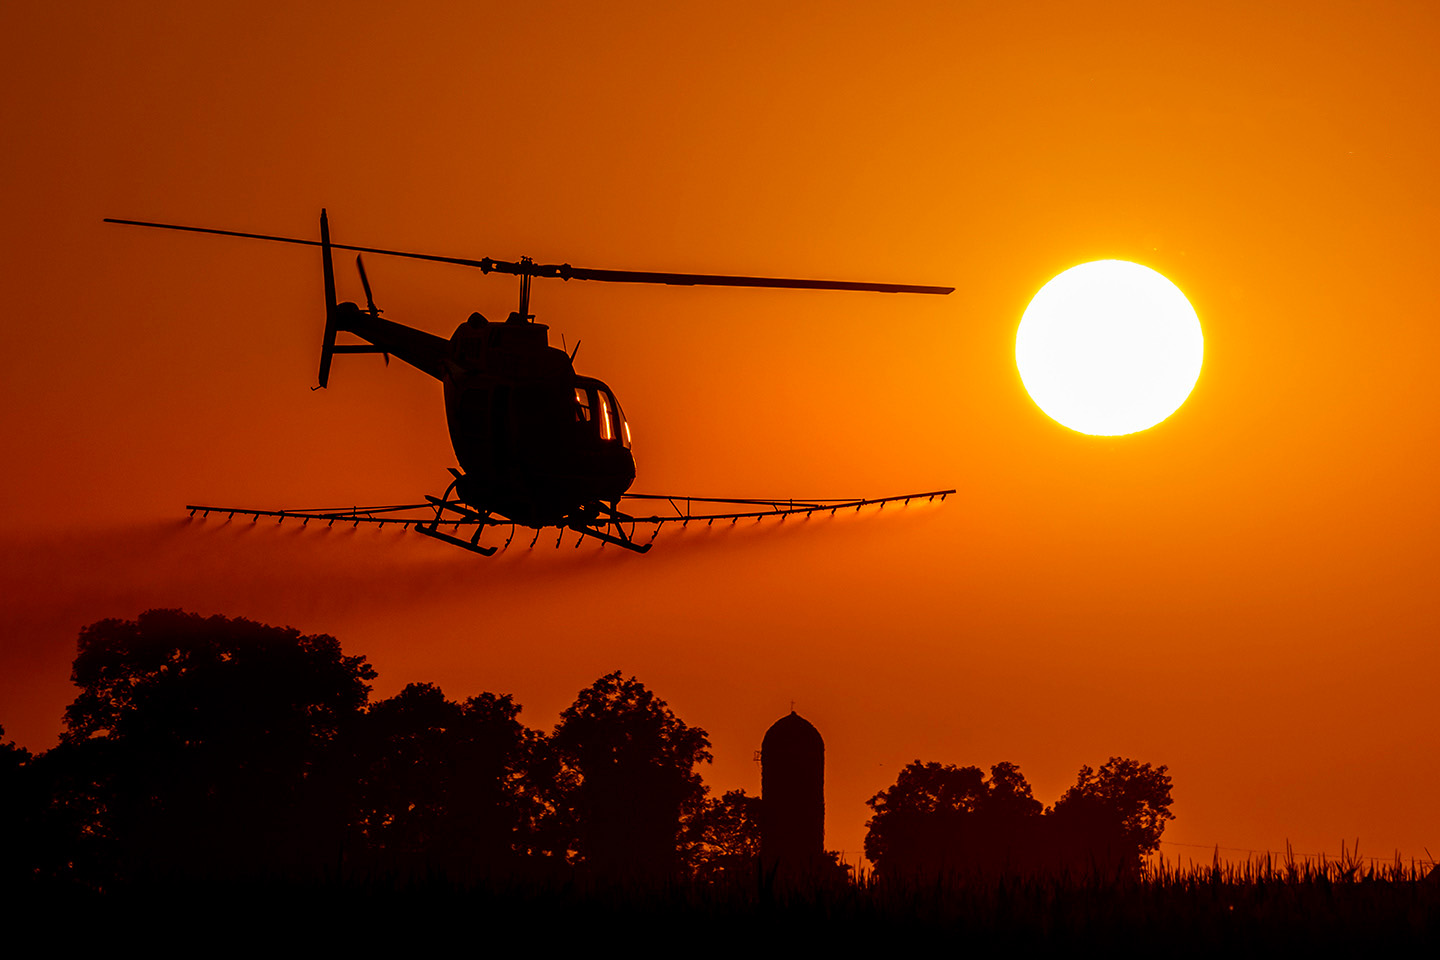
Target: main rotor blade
{"x": 563, "y": 271}
{"x": 464, "y": 262}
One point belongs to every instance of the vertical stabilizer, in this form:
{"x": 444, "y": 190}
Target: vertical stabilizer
{"x": 327, "y": 349}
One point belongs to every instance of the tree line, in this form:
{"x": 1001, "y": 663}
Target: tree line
{"x": 223, "y": 748}
{"x": 940, "y": 819}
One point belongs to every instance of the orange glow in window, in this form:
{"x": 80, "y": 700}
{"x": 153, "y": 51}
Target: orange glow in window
{"x": 607, "y": 429}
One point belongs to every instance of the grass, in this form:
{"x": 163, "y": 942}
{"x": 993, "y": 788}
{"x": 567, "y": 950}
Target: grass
{"x": 1262, "y": 906}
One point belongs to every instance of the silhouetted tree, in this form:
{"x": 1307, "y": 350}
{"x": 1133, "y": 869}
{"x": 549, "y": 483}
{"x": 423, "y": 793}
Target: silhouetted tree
{"x": 21, "y": 808}
{"x": 629, "y": 777}
{"x": 723, "y": 838}
{"x": 453, "y": 785}
{"x": 939, "y": 819}
{"x": 1112, "y": 817}
{"x": 209, "y": 745}
{"x": 12, "y": 757}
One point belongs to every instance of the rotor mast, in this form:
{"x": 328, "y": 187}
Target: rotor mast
{"x": 525, "y": 314}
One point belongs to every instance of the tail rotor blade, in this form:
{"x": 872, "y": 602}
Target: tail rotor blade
{"x": 365, "y": 282}
{"x": 369, "y": 300}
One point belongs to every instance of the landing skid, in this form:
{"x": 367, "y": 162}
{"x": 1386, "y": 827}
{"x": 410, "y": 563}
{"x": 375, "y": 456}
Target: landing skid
{"x": 444, "y": 506}
{"x": 620, "y": 538}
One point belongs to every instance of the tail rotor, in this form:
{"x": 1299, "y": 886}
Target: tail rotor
{"x": 370, "y": 307}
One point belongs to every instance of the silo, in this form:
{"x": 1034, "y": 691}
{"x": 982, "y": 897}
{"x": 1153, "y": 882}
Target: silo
{"x": 792, "y": 790}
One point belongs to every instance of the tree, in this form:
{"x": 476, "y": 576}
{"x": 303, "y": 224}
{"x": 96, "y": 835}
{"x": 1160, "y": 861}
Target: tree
{"x": 21, "y": 808}
{"x": 447, "y": 784}
{"x": 723, "y": 838}
{"x": 629, "y": 778}
{"x": 1008, "y": 793}
{"x": 939, "y": 819}
{"x": 210, "y": 745}
{"x": 1112, "y": 817}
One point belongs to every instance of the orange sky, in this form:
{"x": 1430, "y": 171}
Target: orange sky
{"x": 1242, "y": 593}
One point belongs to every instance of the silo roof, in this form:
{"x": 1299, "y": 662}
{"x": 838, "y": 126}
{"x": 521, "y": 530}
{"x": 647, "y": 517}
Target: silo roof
{"x": 792, "y": 731}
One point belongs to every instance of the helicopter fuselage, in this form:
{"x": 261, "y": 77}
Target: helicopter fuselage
{"x": 536, "y": 443}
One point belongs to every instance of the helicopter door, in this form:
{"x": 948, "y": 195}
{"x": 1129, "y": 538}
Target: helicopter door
{"x": 592, "y": 414}
{"x": 584, "y": 407}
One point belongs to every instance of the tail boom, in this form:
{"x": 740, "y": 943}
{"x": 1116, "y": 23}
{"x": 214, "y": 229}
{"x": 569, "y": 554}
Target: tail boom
{"x": 424, "y": 351}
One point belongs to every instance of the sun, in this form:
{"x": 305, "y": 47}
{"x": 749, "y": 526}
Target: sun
{"x": 1109, "y": 348}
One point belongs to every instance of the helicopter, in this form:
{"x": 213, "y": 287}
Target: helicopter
{"x": 538, "y": 446}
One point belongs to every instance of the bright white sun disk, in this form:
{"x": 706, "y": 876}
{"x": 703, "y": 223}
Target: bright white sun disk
{"x": 1109, "y": 348}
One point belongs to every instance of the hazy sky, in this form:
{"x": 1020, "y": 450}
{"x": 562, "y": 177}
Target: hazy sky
{"x": 1242, "y": 593}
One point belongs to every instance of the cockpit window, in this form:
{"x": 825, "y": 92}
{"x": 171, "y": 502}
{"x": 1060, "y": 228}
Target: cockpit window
{"x": 622, "y": 429}
{"x": 597, "y": 409}
{"x": 613, "y": 424}
{"x": 607, "y": 423}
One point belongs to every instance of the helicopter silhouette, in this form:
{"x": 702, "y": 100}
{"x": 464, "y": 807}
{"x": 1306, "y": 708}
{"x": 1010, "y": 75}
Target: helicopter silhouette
{"x": 538, "y": 445}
